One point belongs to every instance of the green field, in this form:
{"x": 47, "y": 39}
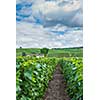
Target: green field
{"x": 55, "y": 52}
{"x": 33, "y": 76}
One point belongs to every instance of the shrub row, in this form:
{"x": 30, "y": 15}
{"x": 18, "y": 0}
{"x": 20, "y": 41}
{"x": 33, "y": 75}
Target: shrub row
{"x": 32, "y": 77}
{"x": 73, "y": 74}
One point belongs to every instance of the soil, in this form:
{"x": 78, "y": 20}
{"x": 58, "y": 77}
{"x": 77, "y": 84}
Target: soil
{"x": 57, "y": 87}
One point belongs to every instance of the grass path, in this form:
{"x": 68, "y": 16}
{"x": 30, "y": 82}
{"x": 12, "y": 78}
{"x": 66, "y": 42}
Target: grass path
{"x": 56, "y": 88}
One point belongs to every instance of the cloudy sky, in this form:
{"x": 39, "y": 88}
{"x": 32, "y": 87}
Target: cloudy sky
{"x": 49, "y": 23}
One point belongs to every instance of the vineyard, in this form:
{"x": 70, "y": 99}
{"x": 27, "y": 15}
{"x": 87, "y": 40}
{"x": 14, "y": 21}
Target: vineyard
{"x": 33, "y": 76}
{"x": 72, "y": 70}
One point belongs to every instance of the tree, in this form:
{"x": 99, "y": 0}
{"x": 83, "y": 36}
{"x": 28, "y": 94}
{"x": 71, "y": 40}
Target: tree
{"x": 23, "y": 54}
{"x": 20, "y": 47}
{"x": 44, "y": 51}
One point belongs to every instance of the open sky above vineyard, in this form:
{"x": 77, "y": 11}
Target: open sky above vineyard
{"x": 49, "y": 23}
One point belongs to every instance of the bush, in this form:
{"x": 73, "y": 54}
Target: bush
{"x": 73, "y": 74}
{"x": 32, "y": 77}
{"x": 23, "y": 54}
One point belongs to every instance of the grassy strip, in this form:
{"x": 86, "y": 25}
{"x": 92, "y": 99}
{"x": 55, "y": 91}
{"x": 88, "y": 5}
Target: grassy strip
{"x": 67, "y": 52}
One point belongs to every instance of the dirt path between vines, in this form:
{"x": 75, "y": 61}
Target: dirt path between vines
{"x": 57, "y": 87}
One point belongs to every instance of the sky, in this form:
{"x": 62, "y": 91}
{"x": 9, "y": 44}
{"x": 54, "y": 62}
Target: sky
{"x": 49, "y": 23}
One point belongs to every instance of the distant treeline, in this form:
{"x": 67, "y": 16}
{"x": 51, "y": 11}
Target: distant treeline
{"x": 68, "y": 48}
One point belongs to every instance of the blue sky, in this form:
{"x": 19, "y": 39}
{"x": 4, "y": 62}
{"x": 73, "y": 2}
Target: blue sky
{"x": 49, "y": 23}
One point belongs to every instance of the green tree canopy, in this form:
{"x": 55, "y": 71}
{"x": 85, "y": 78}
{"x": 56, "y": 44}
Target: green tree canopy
{"x": 44, "y": 51}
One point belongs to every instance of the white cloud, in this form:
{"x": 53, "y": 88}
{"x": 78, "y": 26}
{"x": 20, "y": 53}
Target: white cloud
{"x": 29, "y": 35}
{"x": 52, "y": 13}
{"x": 55, "y": 15}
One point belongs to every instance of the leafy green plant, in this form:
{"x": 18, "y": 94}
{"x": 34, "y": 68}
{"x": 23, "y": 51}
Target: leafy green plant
{"x": 73, "y": 74}
{"x": 32, "y": 76}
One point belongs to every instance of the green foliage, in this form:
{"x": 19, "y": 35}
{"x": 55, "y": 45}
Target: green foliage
{"x": 44, "y": 51}
{"x": 67, "y": 52}
{"x": 73, "y": 74}
{"x": 32, "y": 76}
{"x": 28, "y": 51}
{"x": 23, "y": 54}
